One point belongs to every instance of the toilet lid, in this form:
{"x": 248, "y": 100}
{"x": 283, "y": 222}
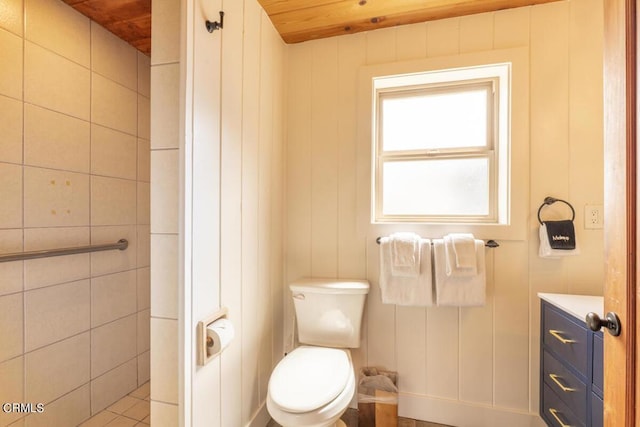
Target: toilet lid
{"x": 309, "y": 377}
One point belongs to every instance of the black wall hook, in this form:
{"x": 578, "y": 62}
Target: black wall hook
{"x": 212, "y": 26}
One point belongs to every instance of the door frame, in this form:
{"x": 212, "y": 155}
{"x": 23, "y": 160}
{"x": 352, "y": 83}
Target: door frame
{"x": 620, "y": 186}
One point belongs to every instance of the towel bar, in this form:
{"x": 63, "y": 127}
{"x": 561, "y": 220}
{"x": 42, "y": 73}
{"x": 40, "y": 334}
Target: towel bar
{"x": 489, "y": 243}
{"x": 122, "y": 244}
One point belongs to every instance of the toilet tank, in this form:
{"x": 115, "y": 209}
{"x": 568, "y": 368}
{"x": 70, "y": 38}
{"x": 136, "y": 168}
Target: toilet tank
{"x": 329, "y": 311}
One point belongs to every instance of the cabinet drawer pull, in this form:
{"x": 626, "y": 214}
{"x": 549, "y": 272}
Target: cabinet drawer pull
{"x": 554, "y": 412}
{"x": 555, "y": 379}
{"x": 563, "y": 340}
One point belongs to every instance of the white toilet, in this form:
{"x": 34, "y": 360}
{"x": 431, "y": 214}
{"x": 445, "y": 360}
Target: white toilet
{"x": 314, "y": 384}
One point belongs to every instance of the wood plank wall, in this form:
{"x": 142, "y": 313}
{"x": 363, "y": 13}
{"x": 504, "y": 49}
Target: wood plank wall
{"x": 233, "y": 189}
{"x": 456, "y": 366}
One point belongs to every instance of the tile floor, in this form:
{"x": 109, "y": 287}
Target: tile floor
{"x": 131, "y": 411}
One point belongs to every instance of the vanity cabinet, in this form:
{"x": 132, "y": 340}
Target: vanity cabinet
{"x": 571, "y": 362}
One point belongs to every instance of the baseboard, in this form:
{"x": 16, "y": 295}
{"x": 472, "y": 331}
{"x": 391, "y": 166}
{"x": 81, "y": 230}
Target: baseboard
{"x": 456, "y": 413}
{"x": 261, "y": 417}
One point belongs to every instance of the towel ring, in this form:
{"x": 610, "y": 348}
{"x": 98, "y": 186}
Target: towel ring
{"x": 551, "y": 200}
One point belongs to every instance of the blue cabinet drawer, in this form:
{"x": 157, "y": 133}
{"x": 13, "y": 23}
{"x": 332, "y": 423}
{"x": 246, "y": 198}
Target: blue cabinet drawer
{"x": 597, "y": 411}
{"x": 569, "y": 388}
{"x": 556, "y": 413}
{"x": 566, "y": 338}
{"x": 598, "y": 364}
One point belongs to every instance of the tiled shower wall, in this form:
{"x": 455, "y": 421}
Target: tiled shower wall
{"x": 74, "y": 170}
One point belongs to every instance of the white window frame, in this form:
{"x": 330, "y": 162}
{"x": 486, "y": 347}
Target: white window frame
{"x": 512, "y": 211}
{"x": 493, "y": 87}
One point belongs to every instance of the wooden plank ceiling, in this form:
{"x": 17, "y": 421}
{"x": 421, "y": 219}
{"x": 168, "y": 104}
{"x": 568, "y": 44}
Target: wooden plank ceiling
{"x": 128, "y": 19}
{"x": 299, "y": 20}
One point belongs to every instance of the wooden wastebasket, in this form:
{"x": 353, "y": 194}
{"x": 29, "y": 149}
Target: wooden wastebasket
{"x": 376, "y": 407}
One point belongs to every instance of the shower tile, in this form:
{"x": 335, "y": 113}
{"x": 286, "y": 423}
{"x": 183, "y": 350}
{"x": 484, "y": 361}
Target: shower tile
{"x": 113, "y": 153}
{"x": 55, "y": 198}
{"x": 123, "y": 405}
{"x": 164, "y": 414}
{"x": 12, "y": 390}
{"x": 56, "y": 312}
{"x": 144, "y": 112}
{"x": 110, "y": 387}
{"x": 165, "y": 31}
{"x": 144, "y": 245}
{"x": 11, "y": 272}
{"x": 113, "y": 58}
{"x": 122, "y": 421}
{"x": 113, "y": 201}
{"x": 139, "y": 411}
{"x": 11, "y": 130}
{"x": 113, "y": 261}
{"x": 144, "y": 367}
{"x": 11, "y": 318}
{"x": 164, "y": 359}
{"x": 164, "y": 275}
{"x": 142, "y": 392}
{"x": 113, "y": 105}
{"x": 11, "y": 206}
{"x": 144, "y": 75}
{"x": 144, "y": 325}
{"x": 52, "y": 271}
{"x": 11, "y": 66}
{"x": 69, "y": 410}
{"x": 11, "y": 15}
{"x": 69, "y": 37}
{"x": 113, "y": 344}
{"x": 55, "y": 82}
{"x": 144, "y": 288}
{"x": 57, "y": 369}
{"x": 101, "y": 419}
{"x": 144, "y": 203}
{"x": 112, "y": 297}
{"x": 164, "y": 191}
{"x": 144, "y": 160}
{"x": 165, "y": 106}
{"x": 54, "y": 140}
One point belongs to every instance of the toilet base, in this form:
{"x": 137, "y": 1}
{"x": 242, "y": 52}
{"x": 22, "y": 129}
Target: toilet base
{"x": 340, "y": 423}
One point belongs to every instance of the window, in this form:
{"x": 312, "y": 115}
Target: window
{"x": 441, "y": 146}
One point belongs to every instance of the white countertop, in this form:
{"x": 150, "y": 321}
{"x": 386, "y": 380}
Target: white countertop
{"x": 576, "y": 305}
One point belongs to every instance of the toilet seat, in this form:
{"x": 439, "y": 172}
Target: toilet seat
{"x": 309, "y": 378}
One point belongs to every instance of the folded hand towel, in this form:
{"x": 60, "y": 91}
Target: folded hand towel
{"x": 564, "y": 237}
{"x": 464, "y": 249}
{"x": 455, "y": 290}
{"x": 460, "y": 255}
{"x": 403, "y": 290}
{"x": 405, "y": 254}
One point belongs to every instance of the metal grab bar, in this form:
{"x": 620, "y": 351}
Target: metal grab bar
{"x": 122, "y": 244}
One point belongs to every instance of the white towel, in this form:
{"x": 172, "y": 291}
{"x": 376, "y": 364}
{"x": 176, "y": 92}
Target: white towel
{"x": 545, "y": 250}
{"x": 405, "y": 254}
{"x": 412, "y": 291}
{"x": 459, "y": 291}
{"x": 460, "y": 251}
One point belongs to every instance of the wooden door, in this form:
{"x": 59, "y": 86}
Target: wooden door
{"x": 620, "y": 210}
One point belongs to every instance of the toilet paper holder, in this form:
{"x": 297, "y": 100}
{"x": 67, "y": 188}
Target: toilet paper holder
{"x": 204, "y": 342}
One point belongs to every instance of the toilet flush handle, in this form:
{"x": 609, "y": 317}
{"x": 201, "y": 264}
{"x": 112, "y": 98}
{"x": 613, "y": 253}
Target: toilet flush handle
{"x": 298, "y": 296}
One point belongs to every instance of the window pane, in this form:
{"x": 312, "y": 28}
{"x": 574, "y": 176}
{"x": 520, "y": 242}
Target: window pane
{"x": 435, "y": 119}
{"x": 436, "y": 187}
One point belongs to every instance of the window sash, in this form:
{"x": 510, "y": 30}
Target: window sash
{"x": 486, "y": 85}
{"x": 488, "y": 151}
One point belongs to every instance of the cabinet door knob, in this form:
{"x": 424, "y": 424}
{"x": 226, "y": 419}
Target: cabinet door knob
{"x": 611, "y": 322}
